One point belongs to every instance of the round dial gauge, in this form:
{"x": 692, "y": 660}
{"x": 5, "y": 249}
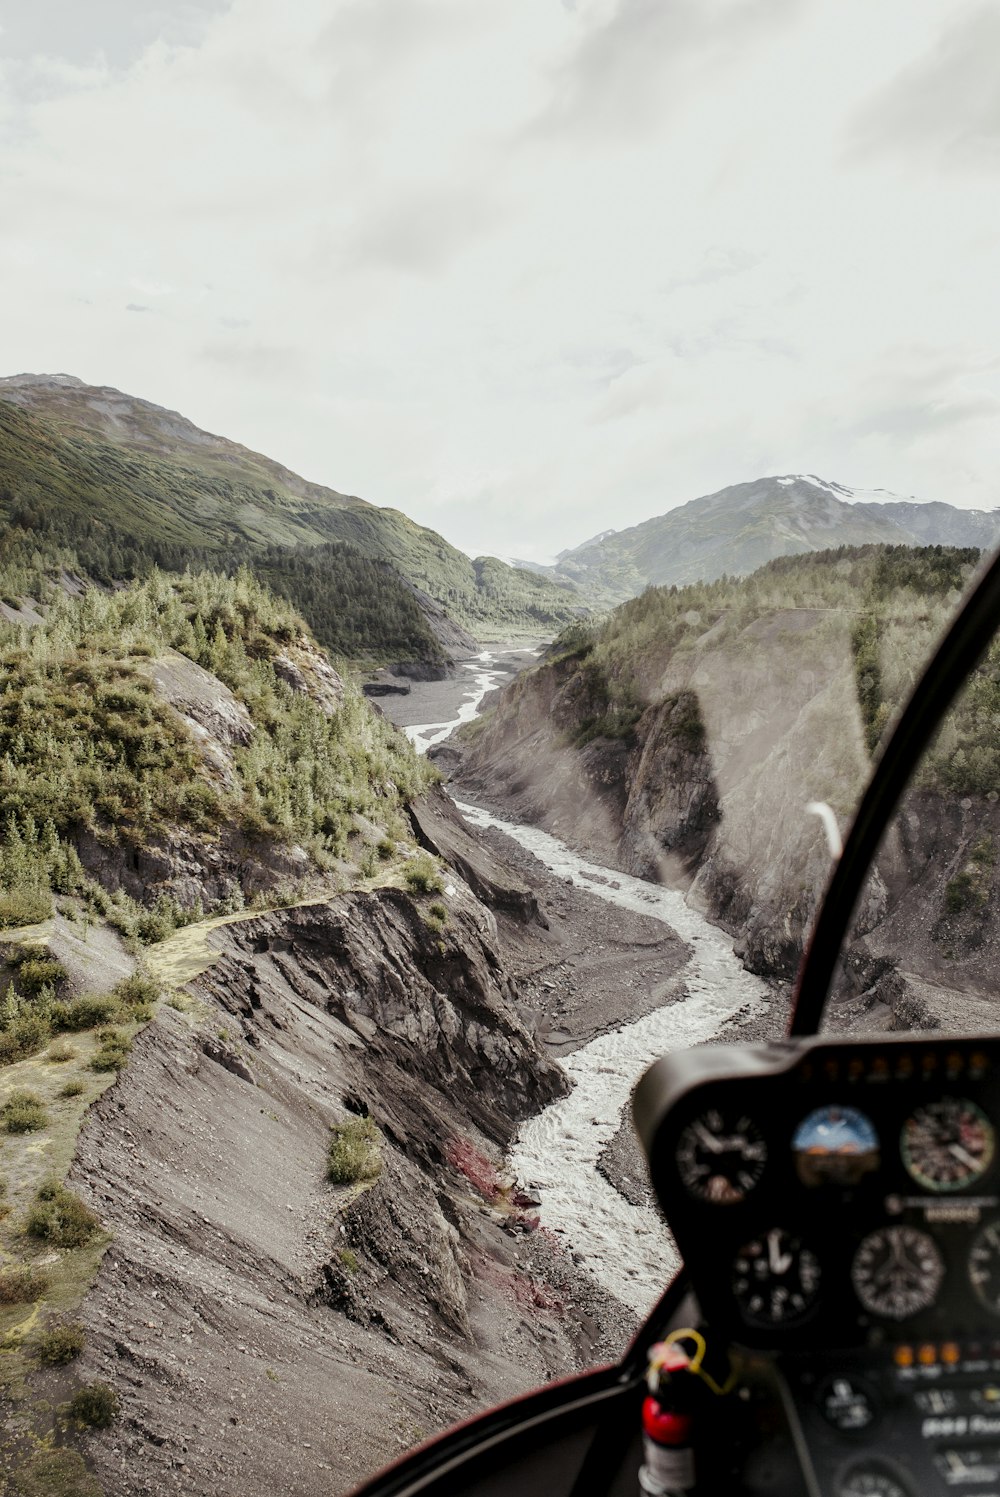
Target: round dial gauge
{"x": 984, "y": 1267}
{"x": 870, "y": 1481}
{"x": 721, "y": 1156}
{"x": 948, "y": 1144}
{"x": 775, "y": 1279}
{"x": 897, "y": 1272}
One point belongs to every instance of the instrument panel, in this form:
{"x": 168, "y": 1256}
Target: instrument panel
{"x": 833, "y": 1194}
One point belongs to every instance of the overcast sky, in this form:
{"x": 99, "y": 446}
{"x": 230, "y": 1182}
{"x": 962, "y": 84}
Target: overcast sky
{"x": 527, "y": 269}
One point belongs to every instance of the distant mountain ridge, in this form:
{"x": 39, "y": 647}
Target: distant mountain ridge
{"x": 738, "y": 529}
{"x": 83, "y": 455}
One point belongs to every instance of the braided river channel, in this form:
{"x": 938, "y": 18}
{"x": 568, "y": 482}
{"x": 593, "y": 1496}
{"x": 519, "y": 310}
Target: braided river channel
{"x": 625, "y": 1247}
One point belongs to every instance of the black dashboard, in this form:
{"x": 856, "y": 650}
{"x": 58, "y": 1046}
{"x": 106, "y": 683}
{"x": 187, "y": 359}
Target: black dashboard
{"x": 837, "y": 1207}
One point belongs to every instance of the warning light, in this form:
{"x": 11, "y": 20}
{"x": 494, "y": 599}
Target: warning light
{"x": 950, "y": 1354}
{"x": 927, "y": 1355}
{"x": 903, "y": 1356}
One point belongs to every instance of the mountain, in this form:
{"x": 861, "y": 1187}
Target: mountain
{"x": 738, "y": 529}
{"x": 261, "y": 1054}
{"x": 683, "y": 738}
{"x": 92, "y": 465}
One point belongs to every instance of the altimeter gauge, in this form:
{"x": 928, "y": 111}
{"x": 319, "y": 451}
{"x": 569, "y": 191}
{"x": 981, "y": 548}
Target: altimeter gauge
{"x": 720, "y": 1156}
{"x": 947, "y": 1144}
{"x": 897, "y": 1272}
{"x": 775, "y": 1279}
{"x": 984, "y": 1267}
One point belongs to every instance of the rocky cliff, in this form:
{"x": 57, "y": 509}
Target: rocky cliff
{"x": 707, "y": 786}
{"x": 267, "y": 1329}
{"x": 697, "y": 764}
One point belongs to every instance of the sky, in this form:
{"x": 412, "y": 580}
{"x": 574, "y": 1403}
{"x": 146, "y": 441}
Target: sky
{"x": 529, "y": 270}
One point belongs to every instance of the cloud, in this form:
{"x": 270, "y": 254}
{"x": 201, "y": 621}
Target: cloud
{"x": 116, "y": 32}
{"x": 259, "y": 361}
{"x": 422, "y": 232}
{"x": 366, "y": 258}
{"x": 944, "y": 109}
{"x": 631, "y": 67}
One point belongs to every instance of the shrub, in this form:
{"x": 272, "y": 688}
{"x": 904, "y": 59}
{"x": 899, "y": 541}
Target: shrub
{"x": 440, "y": 912}
{"x": 60, "y": 1345}
{"x": 112, "y": 1052}
{"x": 60, "y": 1051}
{"x": 25, "y": 1035}
{"x": 349, "y": 1259}
{"x": 95, "y": 1404}
{"x": 56, "y": 1473}
{"x": 423, "y": 875}
{"x": 24, "y": 907}
{"x": 385, "y": 849}
{"x": 71, "y": 1089}
{"x": 60, "y": 1217}
{"x": 37, "y": 972}
{"x": 355, "y": 1152}
{"x": 83, "y": 1013}
{"x": 23, "y": 1112}
{"x": 137, "y": 991}
{"x": 21, "y": 1286}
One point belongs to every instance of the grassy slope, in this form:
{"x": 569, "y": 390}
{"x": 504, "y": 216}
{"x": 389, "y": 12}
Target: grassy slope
{"x": 186, "y": 489}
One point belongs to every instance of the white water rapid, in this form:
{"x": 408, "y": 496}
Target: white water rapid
{"x": 626, "y": 1247}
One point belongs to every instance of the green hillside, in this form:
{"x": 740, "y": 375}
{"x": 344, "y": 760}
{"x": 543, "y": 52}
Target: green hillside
{"x": 740, "y": 528}
{"x": 96, "y": 764}
{"x": 79, "y": 462}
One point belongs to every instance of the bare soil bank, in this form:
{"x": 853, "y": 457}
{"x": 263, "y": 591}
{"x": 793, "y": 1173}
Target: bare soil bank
{"x": 268, "y": 1331}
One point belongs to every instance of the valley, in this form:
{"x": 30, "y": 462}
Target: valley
{"x": 317, "y": 1037}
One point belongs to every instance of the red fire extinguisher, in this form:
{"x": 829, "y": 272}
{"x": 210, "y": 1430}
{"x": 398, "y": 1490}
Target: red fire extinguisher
{"x": 678, "y": 1382}
{"x": 667, "y": 1424}
{"x": 668, "y": 1466}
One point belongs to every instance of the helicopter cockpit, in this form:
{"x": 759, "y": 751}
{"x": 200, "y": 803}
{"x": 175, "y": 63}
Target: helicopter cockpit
{"x": 838, "y": 1207}
{"x": 835, "y": 1199}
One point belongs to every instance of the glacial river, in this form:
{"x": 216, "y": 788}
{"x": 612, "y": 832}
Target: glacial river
{"x": 625, "y": 1247}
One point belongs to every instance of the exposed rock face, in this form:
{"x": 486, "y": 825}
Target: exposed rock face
{"x": 218, "y": 720}
{"x": 709, "y": 788}
{"x": 266, "y": 1330}
{"x": 304, "y": 667}
{"x": 189, "y": 868}
{"x": 442, "y": 831}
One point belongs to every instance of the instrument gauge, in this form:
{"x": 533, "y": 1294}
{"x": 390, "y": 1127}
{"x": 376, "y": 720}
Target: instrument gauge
{"x": 870, "y": 1481}
{"x": 835, "y": 1146}
{"x": 720, "y": 1156}
{"x": 947, "y": 1145}
{"x": 984, "y": 1267}
{"x": 897, "y": 1272}
{"x": 775, "y": 1279}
